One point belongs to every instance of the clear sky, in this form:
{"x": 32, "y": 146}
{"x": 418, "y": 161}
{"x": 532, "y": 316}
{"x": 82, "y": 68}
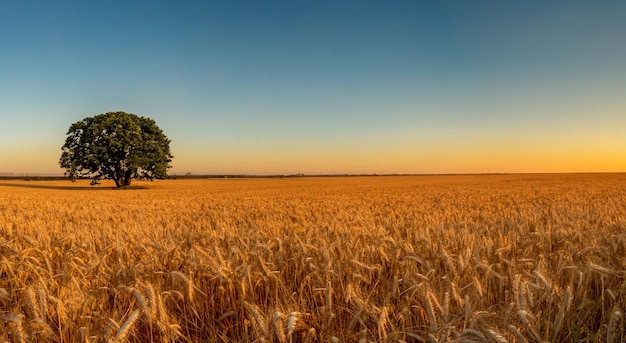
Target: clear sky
{"x": 281, "y": 87}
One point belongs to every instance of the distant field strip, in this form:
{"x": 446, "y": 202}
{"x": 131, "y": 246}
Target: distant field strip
{"x": 496, "y": 258}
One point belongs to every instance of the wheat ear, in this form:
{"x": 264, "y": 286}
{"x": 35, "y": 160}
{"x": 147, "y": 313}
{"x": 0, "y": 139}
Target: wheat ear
{"x": 612, "y": 334}
{"x": 279, "y": 326}
{"x": 258, "y": 320}
{"x": 310, "y": 335}
{"x": 189, "y": 286}
{"x": 123, "y": 332}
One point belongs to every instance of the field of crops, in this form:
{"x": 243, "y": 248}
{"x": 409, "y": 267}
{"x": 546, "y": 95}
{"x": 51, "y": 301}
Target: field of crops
{"x": 500, "y": 258}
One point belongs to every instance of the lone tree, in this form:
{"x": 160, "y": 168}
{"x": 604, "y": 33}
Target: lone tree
{"x": 118, "y": 146}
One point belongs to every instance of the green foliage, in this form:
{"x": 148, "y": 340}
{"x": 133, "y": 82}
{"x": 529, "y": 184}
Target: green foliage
{"x": 118, "y": 146}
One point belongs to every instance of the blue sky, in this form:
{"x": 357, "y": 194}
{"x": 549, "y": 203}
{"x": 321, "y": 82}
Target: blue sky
{"x": 283, "y": 87}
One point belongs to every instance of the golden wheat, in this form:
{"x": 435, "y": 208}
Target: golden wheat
{"x": 501, "y": 258}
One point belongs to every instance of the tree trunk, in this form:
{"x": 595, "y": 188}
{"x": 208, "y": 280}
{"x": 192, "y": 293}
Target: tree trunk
{"x": 121, "y": 180}
{"x": 123, "y": 176}
{"x": 128, "y": 177}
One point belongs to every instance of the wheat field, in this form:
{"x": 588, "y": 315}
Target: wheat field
{"x": 491, "y": 258}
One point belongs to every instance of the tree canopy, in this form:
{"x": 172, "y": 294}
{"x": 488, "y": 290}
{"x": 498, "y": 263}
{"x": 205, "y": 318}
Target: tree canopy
{"x": 118, "y": 146}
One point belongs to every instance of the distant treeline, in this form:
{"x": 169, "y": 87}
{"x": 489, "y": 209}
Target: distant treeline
{"x": 32, "y": 178}
{"x": 278, "y": 176}
{"x": 203, "y": 176}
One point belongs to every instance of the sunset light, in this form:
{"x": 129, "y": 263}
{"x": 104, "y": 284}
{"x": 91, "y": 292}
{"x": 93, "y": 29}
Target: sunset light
{"x": 324, "y": 87}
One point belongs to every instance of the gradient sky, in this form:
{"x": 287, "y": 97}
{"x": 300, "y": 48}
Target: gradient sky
{"x": 282, "y": 87}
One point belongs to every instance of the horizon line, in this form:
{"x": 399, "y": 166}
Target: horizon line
{"x": 56, "y": 176}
